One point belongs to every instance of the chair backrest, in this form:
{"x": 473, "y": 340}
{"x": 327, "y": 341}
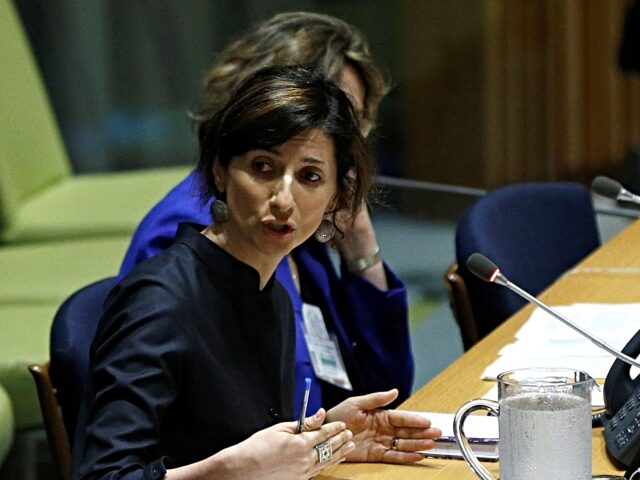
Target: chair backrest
{"x": 61, "y": 382}
{"x": 534, "y": 232}
{"x": 32, "y": 154}
{"x": 72, "y": 332}
{"x": 461, "y": 306}
{"x": 53, "y": 424}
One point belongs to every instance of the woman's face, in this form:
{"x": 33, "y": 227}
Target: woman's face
{"x": 277, "y": 197}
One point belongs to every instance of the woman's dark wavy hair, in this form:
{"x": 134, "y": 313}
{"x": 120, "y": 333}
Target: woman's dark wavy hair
{"x": 277, "y": 103}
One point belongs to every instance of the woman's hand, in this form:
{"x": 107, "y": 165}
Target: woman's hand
{"x": 376, "y": 432}
{"x": 279, "y": 453}
{"x": 359, "y": 238}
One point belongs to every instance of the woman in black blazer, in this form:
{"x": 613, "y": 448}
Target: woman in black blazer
{"x": 192, "y": 364}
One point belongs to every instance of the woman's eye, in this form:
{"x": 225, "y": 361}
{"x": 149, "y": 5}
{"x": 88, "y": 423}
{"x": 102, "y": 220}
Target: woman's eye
{"x": 262, "y": 166}
{"x": 311, "y": 176}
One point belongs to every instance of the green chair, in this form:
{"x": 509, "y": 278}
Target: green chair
{"x": 40, "y": 198}
{"x": 6, "y": 425}
{"x": 24, "y": 340}
{"x": 47, "y": 273}
{"x": 35, "y": 280}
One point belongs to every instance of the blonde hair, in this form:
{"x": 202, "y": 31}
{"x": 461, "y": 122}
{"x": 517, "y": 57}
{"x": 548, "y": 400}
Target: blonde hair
{"x": 297, "y": 38}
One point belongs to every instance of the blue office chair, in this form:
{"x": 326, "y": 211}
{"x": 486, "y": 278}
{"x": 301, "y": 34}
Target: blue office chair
{"x": 72, "y": 332}
{"x": 61, "y": 381}
{"x": 534, "y": 232}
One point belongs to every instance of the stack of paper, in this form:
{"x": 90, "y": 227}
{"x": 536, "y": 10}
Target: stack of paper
{"x": 544, "y": 341}
{"x": 481, "y": 431}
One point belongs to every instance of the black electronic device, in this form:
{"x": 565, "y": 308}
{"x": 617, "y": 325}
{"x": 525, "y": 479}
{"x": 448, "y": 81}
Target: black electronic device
{"x": 622, "y": 401}
{"x": 621, "y": 393}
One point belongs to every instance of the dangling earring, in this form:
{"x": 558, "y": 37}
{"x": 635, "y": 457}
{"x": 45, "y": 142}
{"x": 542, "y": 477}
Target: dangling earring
{"x": 219, "y": 211}
{"x": 325, "y": 231}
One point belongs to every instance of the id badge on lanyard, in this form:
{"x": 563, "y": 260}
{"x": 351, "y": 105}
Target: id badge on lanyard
{"x": 323, "y": 349}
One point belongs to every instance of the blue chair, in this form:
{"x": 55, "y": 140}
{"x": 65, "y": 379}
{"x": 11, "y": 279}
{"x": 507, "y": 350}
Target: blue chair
{"x": 61, "y": 381}
{"x": 534, "y": 232}
{"x": 72, "y": 332}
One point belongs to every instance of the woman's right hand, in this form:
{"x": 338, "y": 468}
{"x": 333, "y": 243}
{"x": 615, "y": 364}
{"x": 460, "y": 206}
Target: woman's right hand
{"x": 278, "y": 453}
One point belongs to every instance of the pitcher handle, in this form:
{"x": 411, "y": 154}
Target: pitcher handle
{"x": 461, "y": 439}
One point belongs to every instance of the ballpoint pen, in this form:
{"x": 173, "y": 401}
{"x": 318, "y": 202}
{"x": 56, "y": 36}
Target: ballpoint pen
{"x": 303, "y": 408}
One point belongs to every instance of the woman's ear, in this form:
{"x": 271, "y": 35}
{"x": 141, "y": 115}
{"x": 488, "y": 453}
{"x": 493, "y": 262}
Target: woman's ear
{"x": 220, "y": 176}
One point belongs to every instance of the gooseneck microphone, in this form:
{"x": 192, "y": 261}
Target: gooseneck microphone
{"x": 607, "y": 187}
{"x": 486, "y": 270}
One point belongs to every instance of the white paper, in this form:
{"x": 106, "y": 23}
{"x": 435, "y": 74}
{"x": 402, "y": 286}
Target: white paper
{"x": 544, "y": 341}
{"x": 478, "y": 427}
{"x": 597, "y": 367}
{"x": 481, "y": 431}
{"x": 551, "y": 348}
{"x": 613, "y": 323}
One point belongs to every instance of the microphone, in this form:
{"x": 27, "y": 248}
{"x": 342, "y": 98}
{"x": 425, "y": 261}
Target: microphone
{"x": 486, "y": 270}
{"x": 607, "y": 187}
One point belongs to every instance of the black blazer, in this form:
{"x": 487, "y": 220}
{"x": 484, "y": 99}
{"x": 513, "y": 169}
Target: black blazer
{"x": 187, "y": 361}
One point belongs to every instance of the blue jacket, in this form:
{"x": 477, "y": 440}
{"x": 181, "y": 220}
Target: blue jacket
{"x": 371, "y": 325}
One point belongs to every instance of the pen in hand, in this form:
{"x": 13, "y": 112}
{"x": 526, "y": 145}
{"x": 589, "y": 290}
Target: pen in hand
{"x": 303, "y": 408}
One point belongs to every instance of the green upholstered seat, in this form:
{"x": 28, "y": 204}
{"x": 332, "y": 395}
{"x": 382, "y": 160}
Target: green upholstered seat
{"x": 47, "y": 273}
{"x": 24, "y": 339}
{"x": 35, "y": 280}
{"x": 40, "y": 198}
{"x": 6, "y": 424}
{"x": 91, "y": 205}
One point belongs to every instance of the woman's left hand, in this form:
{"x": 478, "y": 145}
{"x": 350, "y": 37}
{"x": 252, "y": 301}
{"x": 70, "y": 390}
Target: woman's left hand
{"x": 384, "y": 435}
{"x": 358, "y": 237}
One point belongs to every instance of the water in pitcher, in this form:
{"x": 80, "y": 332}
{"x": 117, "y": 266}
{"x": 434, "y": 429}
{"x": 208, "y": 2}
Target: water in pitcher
{"x": 555, "y": 418}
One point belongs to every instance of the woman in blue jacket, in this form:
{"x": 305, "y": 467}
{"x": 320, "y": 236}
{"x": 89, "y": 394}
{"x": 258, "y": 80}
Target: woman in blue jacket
{"x": 352, "y": 332}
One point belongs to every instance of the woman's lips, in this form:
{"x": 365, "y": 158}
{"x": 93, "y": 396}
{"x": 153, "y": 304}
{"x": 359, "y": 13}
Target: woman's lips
{"x": 278, "y": 231}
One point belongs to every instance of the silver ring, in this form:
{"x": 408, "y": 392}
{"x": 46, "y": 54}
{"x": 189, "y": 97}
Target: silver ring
{"x": 325, "y": 451}
{"x": 394, "y": 444}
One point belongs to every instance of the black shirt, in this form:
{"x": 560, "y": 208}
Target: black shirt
{"x": 190, "y": 357}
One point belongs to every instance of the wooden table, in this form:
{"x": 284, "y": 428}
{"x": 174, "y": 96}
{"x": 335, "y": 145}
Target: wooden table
{"x": 609, "y": 275}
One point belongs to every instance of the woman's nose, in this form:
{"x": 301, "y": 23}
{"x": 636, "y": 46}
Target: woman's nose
{"x": 282, "y": 198}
